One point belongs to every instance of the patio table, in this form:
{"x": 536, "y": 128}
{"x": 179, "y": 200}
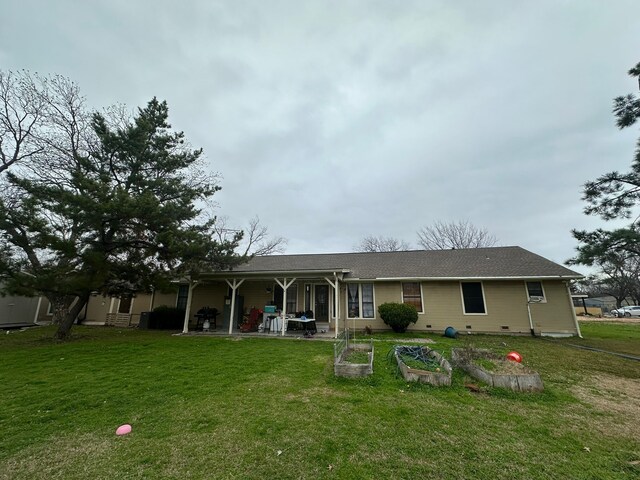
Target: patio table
{"x": 310, "y": 323}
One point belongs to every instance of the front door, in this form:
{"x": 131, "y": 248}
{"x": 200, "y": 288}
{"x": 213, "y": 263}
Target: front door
{"x": 321, "y": 310}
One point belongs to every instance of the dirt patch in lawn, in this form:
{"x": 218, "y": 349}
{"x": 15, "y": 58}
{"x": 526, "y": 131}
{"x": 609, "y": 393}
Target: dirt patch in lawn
{"x": 609, "y": 319}
{"x": 616, "y": 396}
{"x": 309, "y": 394}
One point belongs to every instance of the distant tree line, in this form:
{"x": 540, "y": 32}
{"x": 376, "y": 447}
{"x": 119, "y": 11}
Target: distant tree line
{"x": 440, "y": 235}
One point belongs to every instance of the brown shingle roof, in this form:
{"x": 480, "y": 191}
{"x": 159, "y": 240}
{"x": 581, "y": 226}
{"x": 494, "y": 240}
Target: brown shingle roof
{"x": 494, "y": 262}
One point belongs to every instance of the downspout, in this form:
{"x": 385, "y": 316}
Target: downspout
{"x": 530, "y": 320}
{"x": 337, "y": 302}
{"x": 573, "y": 310}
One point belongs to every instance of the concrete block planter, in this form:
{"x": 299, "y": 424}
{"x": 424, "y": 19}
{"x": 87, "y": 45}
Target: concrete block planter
{"x": 519, "y": 378}
{"x": 342, "y": 367}
{"x": 411, "y": 374}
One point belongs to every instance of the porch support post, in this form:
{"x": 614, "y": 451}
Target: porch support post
{"x": 153, "y": 297}
{"x": 336, "y": 299}
{"x": 234, "y": 284}
{"x": 35, "y": 317}
{"x": 285, "y": 285}
{"x": 187, "y": 311}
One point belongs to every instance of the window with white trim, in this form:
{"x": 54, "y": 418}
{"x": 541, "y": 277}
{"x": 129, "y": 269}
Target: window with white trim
{"x": 360, "y": 301}
{"x": 183, "y": 296}
{"x": 535, "y": 292}
{"x": 412, "y": 294}
{"x": 292, "y": 298}
{"x": 473, "y": 298}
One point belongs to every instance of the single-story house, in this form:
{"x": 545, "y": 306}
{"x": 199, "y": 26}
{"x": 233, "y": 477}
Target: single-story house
{"x": 506, "y": 290}
{"x": 479, "y": 290}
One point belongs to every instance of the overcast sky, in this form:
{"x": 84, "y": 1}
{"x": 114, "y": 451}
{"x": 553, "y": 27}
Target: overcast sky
{"x": 331, "y": 120}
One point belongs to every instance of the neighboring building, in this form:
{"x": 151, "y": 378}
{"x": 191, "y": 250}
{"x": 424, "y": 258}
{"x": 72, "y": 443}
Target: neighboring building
{"x": 481, "y": 290}
{"x": 18, "y": 311}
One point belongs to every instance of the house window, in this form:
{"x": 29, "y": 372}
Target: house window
{"x": 535, "y": 292}
{"x": 412, "y": 294}
{"x": 360, "y": 301}
{"x": 307, "y": 297}
{"x": 125, "y": 304}
{"x": 473, "y": 298}
{"x": 292, "y": 298}
{"x": 183, "y": 295}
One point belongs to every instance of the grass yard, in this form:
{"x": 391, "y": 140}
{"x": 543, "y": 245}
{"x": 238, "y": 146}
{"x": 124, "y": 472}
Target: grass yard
{"x": 271, "y": 408}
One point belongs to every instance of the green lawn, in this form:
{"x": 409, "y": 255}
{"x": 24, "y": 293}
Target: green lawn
{"x": 224, "y": 408}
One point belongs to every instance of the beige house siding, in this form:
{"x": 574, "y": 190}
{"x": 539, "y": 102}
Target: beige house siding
{"x": 505, "y": 305}
{"x": 557, "y": 315}
{"x": 208, "y": 295}
{"x": 97, "y": 308}
{"x": 165, "y": 299}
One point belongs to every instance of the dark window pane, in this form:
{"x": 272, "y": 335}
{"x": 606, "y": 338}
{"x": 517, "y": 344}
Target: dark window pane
{"x": 411, "y": 294}
{"x": 473, "y": 299}
{"x": 292, "y": 299}
{"x": 368, "y": 310}
{"x": 183, "y": 295}
{"x": 307, "y": 297}
{"x": 277, "y": 297}
{"x": 353, "y": 300}
{"x": 125, "y": 304}
{"x": 535, "y": 289}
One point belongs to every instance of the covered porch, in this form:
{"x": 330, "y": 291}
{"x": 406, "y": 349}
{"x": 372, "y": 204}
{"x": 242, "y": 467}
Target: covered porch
{"x": 264, "y": 303}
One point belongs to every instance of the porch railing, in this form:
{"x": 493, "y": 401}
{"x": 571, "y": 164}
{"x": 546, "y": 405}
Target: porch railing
{"x": 122, "y": 319}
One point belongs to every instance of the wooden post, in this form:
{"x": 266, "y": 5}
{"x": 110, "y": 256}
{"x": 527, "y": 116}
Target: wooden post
{"x": 285, "y": 285}
{"x": 153, "y": 297}
{"x": 336, "y": 299}
{"x": 35, "y": 318}
{"x": 234, "y": 287}
{"x": 187, "y": 312}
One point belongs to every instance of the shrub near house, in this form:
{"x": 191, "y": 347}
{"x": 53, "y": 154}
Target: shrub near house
{"x": 398, "y": 315}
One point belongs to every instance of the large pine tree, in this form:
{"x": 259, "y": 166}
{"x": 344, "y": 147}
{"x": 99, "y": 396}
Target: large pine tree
{"x": 118, "y": 216}
{"x": 614, "y": 195}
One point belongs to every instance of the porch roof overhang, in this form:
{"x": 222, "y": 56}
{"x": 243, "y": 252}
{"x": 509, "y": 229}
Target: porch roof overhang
{"x": 269, "y": 275}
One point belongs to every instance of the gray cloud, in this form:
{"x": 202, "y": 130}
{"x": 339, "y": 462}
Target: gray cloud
{"x": 333, "y": 120}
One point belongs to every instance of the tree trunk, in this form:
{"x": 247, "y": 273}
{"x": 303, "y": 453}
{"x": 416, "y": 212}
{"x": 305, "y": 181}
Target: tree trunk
{"x": 64, "y": 327}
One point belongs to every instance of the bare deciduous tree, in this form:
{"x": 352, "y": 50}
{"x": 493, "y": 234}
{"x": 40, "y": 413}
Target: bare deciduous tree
{"x": 444, "y": 236}
{"x": 371, "y": 243}
{"x": 256, "y": 240}
{"x": 43, "y": 121}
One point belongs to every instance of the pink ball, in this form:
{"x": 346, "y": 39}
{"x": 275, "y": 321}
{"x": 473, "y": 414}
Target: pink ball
{"x": 123, "y": 429}
{"x": 514, "y": 356}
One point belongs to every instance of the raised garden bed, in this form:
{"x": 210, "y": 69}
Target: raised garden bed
{"x": 422, "y": 364}
{"x": 496, "y": 371}
{"x": 354, "y": 360}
